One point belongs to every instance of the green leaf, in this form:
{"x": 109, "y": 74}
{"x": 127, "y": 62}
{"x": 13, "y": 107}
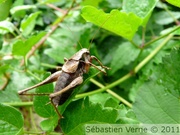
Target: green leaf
{"x": 176, "y": 32}
{"x": 104, "y": 99}
{"x": 17, "y": 13}
{"x": 142, "y": 8}
{"x": 18, "y": 81}
{"x": 111, "y": 103}
{"x": 11, "y": 120}
{"x": 99, "y": 98}
{"x": 174, "y": 2}
{"x": 3, "y": 68}
{"x": 1, "y": 1}
{"x": 85, "y": 112}
{"x": 4, "y": 9}
{"x": 124, "y": 54}
{"x": 6, "y": 26}
{"x": 28, "y": 23}
{"x": 49, "y": 124}
{"x": 158, "y": 99}
{"x": 21, "y": 8}
{"x": 164, "y": 18}
{"x": 154, "y": 105}
{"x": 170, "y": 73}
{"x": 92, "y": 3}
{"x": 126, "y": 116}
{"x": 120, "y": 23}
{"x": 43, "y": 107}
{"x": 9, "y": 95}
{"x": 22, "y": 48}
{"x": 17, "y": 46}
{"x": 42, "y": 104}
{"x": 135, "y": 87}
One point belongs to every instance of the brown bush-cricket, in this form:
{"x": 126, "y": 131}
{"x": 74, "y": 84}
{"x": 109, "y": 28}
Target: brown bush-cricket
{"x": 70, "y": 76}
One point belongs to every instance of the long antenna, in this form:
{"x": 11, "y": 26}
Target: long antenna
{"x": 76, "y": 40}
{"x": 97, "y": 32}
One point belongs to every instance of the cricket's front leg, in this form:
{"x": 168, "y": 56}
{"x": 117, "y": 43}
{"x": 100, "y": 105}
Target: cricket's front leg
{"x": 96, "y": 59}
{"x": 50, "y": 79}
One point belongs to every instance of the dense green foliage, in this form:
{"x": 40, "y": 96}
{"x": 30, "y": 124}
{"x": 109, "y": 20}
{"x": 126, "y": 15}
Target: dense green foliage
{"x": 138, "y": 39}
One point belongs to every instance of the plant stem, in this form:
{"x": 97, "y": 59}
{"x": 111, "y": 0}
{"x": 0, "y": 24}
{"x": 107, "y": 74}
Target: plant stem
{"x": 20, "y": 104}
{"x": 127, "y": 76}
{"x": 50, "y": 66}
{"x": 29, "y": 72}
{"x": 134, "y": 44}
{"x": 152, "y": 41}
{"x": 32, "y": 119}
{"x": 106, "y": 87}
{"x": 119, "y": 98}
{"x": 152, "y": 54}
{"x": 112, "y": 93}
{"x": 170, "y": 14}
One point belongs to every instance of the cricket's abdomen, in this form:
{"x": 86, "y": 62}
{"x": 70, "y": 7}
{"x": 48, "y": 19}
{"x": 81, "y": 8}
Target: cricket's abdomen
{"x": 64, "y": 80}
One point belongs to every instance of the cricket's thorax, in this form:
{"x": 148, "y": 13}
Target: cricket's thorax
{"x": 64, "y": 80}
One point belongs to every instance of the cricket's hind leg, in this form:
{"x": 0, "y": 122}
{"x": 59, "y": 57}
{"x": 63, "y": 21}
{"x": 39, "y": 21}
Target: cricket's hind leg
{"x": 77, "y": 81}
{"x": 49, "y": 79}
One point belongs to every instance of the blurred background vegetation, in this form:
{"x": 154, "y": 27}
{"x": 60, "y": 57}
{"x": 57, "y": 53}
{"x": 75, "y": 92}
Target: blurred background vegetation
{"x": 36, "y": 36}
